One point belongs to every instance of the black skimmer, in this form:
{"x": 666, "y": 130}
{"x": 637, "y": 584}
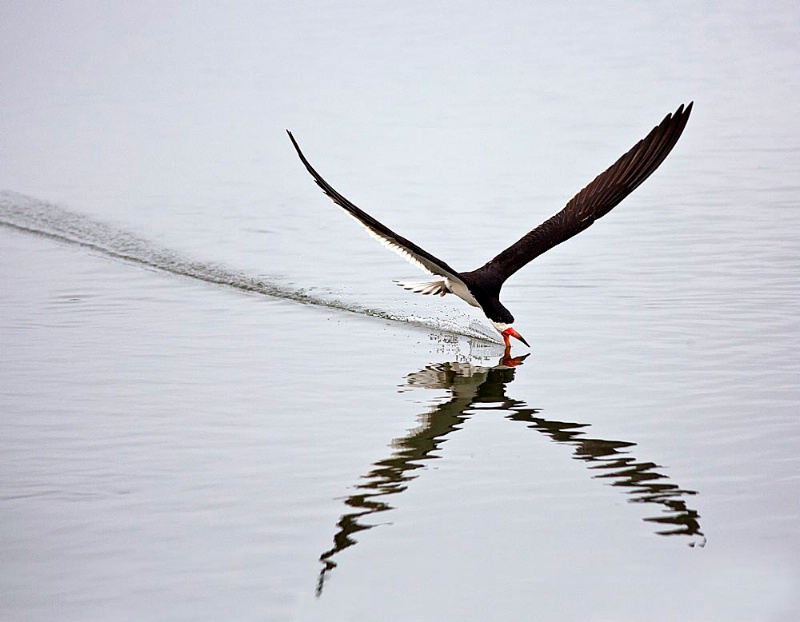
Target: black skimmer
{"x": 481, "y": 287}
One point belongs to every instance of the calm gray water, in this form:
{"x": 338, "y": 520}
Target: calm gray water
{"x": 217, "y": 405}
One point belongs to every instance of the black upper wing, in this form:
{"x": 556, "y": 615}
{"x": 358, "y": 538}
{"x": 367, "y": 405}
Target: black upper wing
{"x": 413, "y": 253}
{"x": 597, "y": 199}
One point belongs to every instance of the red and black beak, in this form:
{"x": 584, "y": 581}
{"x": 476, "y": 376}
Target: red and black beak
{"x": 510, "y": 332}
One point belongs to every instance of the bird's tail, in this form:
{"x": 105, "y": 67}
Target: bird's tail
{"x": 427, "y": 288}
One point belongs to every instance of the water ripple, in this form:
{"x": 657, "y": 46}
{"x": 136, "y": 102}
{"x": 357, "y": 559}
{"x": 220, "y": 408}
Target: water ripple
{"x": 31, "y": 215}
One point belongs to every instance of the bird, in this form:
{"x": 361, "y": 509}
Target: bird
{"x": 481, "y": 287}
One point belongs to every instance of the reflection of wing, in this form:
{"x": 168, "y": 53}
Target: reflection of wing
{"x": 413, "y": 253}
{"x": 391, "y": 475}
{"x": 615, "y": 463}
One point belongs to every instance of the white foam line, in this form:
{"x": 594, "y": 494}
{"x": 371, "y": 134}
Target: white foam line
{"x": 31, "y": 215}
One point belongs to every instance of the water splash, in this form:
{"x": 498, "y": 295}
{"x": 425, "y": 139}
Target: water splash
{"x": 31, "y": 215}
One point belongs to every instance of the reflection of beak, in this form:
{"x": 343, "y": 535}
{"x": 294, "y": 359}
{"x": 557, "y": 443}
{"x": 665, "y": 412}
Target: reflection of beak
{"x": 510, "y": 332}
{"x": 512, "y": 361}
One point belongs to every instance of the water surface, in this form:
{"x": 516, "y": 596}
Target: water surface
{"x": 217, "y": 405}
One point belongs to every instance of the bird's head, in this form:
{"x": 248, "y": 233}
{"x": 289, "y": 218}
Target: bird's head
{"x": 507, "y": 332}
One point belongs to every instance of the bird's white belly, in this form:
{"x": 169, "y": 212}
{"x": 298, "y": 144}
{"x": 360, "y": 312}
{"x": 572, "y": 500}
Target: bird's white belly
{"x": 460, "y": 290}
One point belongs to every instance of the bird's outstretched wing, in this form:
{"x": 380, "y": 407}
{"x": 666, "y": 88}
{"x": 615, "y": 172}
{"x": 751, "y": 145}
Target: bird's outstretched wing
{"x": 597, "y": 199}
{"x": 413, "y": 253}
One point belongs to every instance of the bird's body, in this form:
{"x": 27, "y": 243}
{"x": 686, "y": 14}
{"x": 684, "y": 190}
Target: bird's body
{"x": 481, "y": 287}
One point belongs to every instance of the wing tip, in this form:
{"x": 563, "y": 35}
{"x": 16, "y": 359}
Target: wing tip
{"x": 294, "y": 142}
{"x": 682, "y": 113}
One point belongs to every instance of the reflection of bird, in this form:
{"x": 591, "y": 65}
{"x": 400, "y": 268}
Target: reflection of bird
{"x": 481, "y": 287}
{"x": 474, "y": 389}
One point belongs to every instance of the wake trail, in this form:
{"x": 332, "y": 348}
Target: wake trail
{"x": 30, "y": 215}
